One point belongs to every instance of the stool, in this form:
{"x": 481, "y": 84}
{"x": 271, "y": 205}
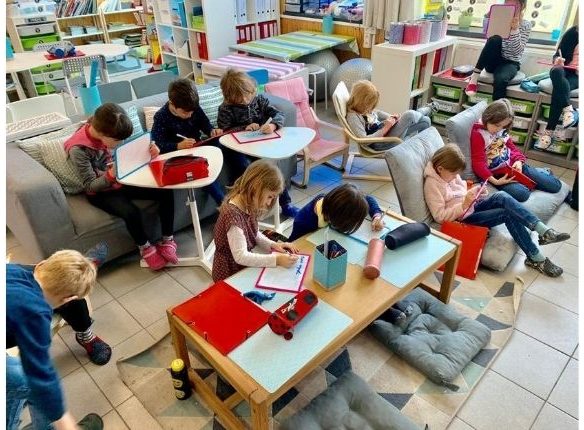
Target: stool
{"x": 487, "y": 77}
{"x": 313, "y": 71}
{"x": 547, "y": 87}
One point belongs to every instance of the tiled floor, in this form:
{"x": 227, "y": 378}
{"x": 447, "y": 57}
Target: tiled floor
{"x": 531, "y": 385}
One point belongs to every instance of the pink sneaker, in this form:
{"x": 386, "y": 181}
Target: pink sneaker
{"x": 167, "y": 249}
{"x": 152, "y": 258}
{"x": 471, "y": 89}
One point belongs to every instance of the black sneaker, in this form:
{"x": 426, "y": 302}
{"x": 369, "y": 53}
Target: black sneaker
{"x": 546, "y": 267}
{"x": 91, "y": 422}
{"x": 98, "y": 351}
{"x": 552, "y": 236}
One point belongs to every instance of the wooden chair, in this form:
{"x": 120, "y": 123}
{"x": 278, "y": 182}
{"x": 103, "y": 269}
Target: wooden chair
{"x": 340, "y": 99}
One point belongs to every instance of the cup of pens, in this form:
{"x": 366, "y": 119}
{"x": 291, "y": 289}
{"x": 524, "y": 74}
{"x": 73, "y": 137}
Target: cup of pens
{"x": 330, "y": 265}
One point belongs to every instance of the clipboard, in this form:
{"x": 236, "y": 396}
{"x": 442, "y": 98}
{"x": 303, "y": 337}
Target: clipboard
{"x": 222, "y": 316}
{"x": 500, "y": 19}
{"x": 549, "y": 63}
{"x": 477, "y": 196}
{"x": 284, "y": 279}
{"x": 243, "y": 137}
{"x": 517, "y": 175}
{"x": 132, "y": 155}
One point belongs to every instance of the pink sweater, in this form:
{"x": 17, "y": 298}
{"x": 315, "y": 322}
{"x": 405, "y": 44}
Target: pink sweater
{"x": 444, "y": 199}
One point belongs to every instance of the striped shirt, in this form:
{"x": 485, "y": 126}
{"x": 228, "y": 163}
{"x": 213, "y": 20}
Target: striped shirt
{"x": 514, "y": 45}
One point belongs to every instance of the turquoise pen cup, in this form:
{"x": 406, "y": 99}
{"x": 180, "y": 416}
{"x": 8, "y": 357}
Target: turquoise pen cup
{"x": 331, "y": 272}
{"x": 90, "y": 99}
{"x": 327, "y": 24}
{"x": 9, "y": 51}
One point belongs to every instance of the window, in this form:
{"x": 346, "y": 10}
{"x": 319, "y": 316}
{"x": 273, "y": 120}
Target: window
{"x": 350, "y": 10}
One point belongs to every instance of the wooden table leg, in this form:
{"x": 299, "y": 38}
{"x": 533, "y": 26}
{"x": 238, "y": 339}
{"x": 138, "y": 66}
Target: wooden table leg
{"x": 178, "y": 341}
{"x": 259, "y": 415}
{"x": 449, "y": 275}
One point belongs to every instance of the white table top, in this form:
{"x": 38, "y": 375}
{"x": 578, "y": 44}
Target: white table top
{"x": 28, "y": 60}
{"x": 292, "y": 140}
{"x": 143, "y": 176}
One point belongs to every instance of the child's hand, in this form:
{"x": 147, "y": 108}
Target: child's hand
{"x": 252, "y": 127}
{"x": 285, "y": 247}
{"x": 377, "y": 223}
{"x": 186, "y": 143}
{"x": 515, "y": 22}
{"x": 154, "y": 150}
{"x": 286, "y": 260}
{"x": 504, "y": 180}
{"x": 559, "y": 61}
{"x": 388, "y": 123}
{"x": 111, "y": 171}
{"x": 469, "y": 197}
{"x": 216, "y": 132}
{"x": 268, "y": 128}
{"x": 518, "y": 165}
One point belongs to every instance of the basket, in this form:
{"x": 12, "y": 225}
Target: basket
{"x": 521, "y": 123}
{"x": 447, "y": 106}
{"x": 440, "y": 118}
{"x": 519, "y": 137}
{"x": 479, "y": 97}
{"x": 545, "y": 111}
{"x": 447, "y": 92}
{"x": 524, "y": 107}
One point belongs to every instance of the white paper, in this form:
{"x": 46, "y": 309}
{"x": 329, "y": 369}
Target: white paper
{"x": 251, "y": 136}
{"x": 132, "y": 155}
{"x": 281, "y": 278}
{"x": 365, "y": 233}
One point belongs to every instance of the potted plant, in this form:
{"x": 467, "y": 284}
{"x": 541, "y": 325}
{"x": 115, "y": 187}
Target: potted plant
{"x": 465, "y": 19}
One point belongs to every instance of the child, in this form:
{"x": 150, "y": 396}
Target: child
{"x": 502, "y": 57}
{"x": 344, "y": 208}
{"x": 491, "y": 147}
{"x": 179, "y": 123}
{"x": 564, "y": 81}
{"x": 366, "y": 121}
{"x": 90, "y": 150}
{"x": 236, "y": 231}
{"x": 449, "y": 199}
{"x": 242, "y": 108}
{"x": 31, "y": 296}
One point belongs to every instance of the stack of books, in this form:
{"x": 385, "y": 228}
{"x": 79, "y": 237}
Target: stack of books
{"x": 133, "y": 39}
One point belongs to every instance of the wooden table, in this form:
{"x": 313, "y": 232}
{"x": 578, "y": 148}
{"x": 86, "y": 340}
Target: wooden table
{"x": 361, "y": 299}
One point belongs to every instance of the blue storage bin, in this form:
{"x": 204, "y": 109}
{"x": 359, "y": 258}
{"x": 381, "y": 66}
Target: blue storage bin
{"x": 329, "y": 273}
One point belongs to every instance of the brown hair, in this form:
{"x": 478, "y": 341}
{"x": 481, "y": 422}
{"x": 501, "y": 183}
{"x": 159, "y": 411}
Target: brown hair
{"x": 112, "y": 121}
{"x": 260, "y": 176}
{"x": 364, "y": 97}
{"x": 183, "y": 94}
{"x": 498, "y": 111}
{"x": 235, "y": 85}
{"x": 449, "y": 157}
{"x": 345, "y": 208}
{"x": 65, "y": 274}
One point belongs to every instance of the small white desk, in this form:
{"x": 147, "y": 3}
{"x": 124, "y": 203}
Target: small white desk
{"x": 143, "y": 178}
{"x": 292, "y": 140}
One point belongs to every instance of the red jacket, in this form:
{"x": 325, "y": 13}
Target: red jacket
{"x": 487, "y": 155}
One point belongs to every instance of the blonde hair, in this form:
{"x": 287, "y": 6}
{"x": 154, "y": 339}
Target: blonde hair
{"x": 66, "y": 273}
{"x": 498, "y": 111}
{"x": 364, "y": 97}
{"x": 259, "y": 177}
{"x": 450, "y": 158}
{"x": 235, "y": 85}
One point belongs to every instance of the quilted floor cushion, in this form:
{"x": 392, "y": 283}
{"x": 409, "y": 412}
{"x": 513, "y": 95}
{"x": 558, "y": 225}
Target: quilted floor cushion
{"x": 488, "y": 78}
{"x": 435, "y": 339}
{"x": 349, "y": 404}
{"x": 547, "y": 87}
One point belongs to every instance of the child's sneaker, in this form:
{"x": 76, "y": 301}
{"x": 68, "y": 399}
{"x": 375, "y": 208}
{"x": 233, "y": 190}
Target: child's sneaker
{"x": 152, "y": 258}
{"x": 569, "y": 117}
{"x": 552, "y": 236}
{"x": 289, "y": 210}
{"x": 471, "y": 89}
{"x": 167, "y": 248}
{"x": 98, "y": 351}
{"x": 97, "y": 254}
{"x": 429, "y": 109}
{"x": 545, "y": 140}
{"x": 546, "y": 267}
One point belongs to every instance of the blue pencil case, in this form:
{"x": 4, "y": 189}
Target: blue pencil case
{"x": 330, "y": 271}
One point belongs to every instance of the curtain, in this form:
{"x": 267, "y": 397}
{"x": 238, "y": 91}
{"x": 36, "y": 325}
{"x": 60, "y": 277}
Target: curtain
{"x": 379, "y": 13}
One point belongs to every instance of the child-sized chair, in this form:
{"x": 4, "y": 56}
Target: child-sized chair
{"x": 320, "y": 150}
{"x": 340, "y": 99}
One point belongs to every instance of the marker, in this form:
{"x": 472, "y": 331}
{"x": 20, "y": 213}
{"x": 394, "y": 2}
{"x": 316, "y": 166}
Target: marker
{"x": 268, "y": 122}
{"x": 181, "y": 136}
{"x": 560, "y": 52}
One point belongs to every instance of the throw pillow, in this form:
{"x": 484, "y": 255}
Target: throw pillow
{"x": 31, "y": 145}
{"x": 149, "y": 112}
{"x": 132, "y": 112}
{"x": 210, "y": 99}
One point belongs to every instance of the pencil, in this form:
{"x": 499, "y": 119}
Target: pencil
{"x": 181, "y": 136}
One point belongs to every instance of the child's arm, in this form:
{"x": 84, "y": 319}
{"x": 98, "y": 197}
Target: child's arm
{"x": 241, "y": 255}
{"x": 478, "y": 156}
{"x": 437, "y": 204}
{"x": 517, "y": 40}
{"x": 163, "y": 135}
{"x": 202, "y": 121}
{"x": 357, "y": 124}
{"x": 375, "y": 213}
{"x": 225, "y": 118}
{"x": 269, "y": 111}
{"x": 516, "y": 155}
{"x": 81, "y": 158}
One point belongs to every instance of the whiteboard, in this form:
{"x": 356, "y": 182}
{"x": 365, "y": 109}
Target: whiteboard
{"x": 500, "y": 19}
{"x": 132, "y": 155}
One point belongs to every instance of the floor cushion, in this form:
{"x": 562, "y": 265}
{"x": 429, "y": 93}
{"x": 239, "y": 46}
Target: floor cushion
{"x": 488, "y": 78}
{"x": 349, "y": 403}
{"x": 434, "y": 338}
{"x": 547, "y": 87}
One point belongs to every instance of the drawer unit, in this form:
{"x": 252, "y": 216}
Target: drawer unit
{"x": 447, "y": 92}
{"x": 521, "y": 123}
{"x": 36, "y": 29}
{"x": 479, "y": 97}
{"x": 519, "y": 137}
{"x": 28, "y": 43}
{"x": 523, "y": 107}
{"x": 441, "y": 118}
{"x": 447, "y": 106}
{"x": 47, "y": 76}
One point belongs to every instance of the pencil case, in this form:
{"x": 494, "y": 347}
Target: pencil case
{"x": 405, "y": 234}
{"x": 330, "y": 272}
{"x": 372, "y": 266}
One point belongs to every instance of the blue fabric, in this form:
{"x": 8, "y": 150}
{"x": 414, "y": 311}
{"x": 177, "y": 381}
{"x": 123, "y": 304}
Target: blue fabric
{"x": 28, "y": 326}
{"x": 501, "y": 208}
{"x": 543, "y": 177}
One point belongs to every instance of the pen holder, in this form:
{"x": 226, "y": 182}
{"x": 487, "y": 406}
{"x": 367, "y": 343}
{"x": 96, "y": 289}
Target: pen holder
{"x": 330, "y": 273}
{"x": 90, "y": 99}
{"x": 327, "y": 24}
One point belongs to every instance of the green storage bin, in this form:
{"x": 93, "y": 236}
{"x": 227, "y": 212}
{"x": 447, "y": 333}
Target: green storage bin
{"x": 447, "y": 92}
{"x": 559, "y": 148}
{"x": 47, "y": 68}
{"x": 519, "y": 137}
{"x": 479, "y": 97}
{"x": 523, "y": 107}
{"x": 29, "y": 42}
{"x": 45, "y": 89}
{"x": 545, "y": 111}
{"x": 441, "y": 118}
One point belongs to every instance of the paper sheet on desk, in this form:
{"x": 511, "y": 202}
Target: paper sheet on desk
{"x": 132, "y": 155}
{"x": 254, "y": 136}
{"x": 285, "y": 279}
{"x": 365, "y": 233}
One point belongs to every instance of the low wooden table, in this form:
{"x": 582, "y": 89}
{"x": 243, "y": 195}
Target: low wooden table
{"x": 361, "y": 299}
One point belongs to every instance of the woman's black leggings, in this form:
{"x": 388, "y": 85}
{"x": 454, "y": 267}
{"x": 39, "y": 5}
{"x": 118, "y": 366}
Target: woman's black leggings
{"x": 503, "y": 70}
{"x": 563, "y": 82}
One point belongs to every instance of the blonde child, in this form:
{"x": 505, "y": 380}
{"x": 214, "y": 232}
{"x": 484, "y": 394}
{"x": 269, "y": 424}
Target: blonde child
{"x": 367, "y": 121}
{"x": 236, "y": 231}
{"x": 492, "y": 147}
{"x": 448, "y": 199}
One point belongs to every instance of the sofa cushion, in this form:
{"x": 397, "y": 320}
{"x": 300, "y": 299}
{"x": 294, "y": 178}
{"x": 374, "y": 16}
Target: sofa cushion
{"x": 349, "y": 403}
{"x": 458, "y": 130}
{"x": 31, "y": 145}
{"x": 149, "y": 112}
{"x": 488, "y": 78}
{"x": 434, "y": 338}
{"x": 137, "y": 130}
{"x": 547, "y": 87}
{"x": 406, "y": 163}
{"x": 210, "y": 98}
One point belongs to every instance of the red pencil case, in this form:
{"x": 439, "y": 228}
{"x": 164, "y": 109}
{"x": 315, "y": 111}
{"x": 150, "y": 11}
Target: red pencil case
{"x": 176, "y": 170}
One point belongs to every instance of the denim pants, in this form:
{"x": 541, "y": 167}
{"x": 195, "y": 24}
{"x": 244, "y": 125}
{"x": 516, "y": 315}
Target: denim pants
{"x": 544, "y": 179}
{"x": 501, "y": 208}
{"x": 16, "y": 395}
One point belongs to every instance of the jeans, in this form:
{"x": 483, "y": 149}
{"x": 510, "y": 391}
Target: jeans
{"x": 16, "y": 395}
{"x": 503, "y": 70}
{"x": 500, "y": 208}
{"x": 544, "y": 179}
{"x": 410, "y": 122}
{"x": 563, "y": 82}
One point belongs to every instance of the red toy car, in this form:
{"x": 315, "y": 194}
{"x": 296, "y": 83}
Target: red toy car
{"x": 282, "y": 321}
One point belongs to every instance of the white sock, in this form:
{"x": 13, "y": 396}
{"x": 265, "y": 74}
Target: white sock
{"x": 474, "y": 78}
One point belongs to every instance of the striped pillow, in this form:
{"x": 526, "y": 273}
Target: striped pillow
{"x": 132, "y": 112}
{"x": 210, "y": 98}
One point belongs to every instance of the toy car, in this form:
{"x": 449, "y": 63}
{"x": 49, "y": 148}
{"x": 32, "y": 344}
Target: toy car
{"x": 283, "y": 320}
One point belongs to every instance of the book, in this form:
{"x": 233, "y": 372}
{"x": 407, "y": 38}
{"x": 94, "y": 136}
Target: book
{"x": 515, "y": 174}
{"x": 254, "y": 136}
{"x": 285, "y": 279}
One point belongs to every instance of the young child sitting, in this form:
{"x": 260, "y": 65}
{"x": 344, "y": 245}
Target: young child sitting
{"x": 449, "y": 199}
{"x": 242, "y": 108}
{"x": 90, "y": 150}
{"x": 179, "y": 124}
{"x": 236, "y": 231}
{"x": 367, "y": 121}
{"x": 344, "y": 208}
{"x": 64, "y": 278}
{"x": 492, "y": 148}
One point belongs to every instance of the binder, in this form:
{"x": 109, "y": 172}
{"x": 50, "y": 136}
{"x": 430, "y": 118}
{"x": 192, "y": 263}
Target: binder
{"x": 202, "y": 45}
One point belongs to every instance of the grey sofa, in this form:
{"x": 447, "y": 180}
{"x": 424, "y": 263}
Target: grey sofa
{"x": 45, "y": 219}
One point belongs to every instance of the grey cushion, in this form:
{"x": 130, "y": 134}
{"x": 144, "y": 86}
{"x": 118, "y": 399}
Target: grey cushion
{"x": 487, "y": 77}
{"x": 406, "y": 163}
{"x": 435, "y": 339}
{"x": 547, "y": 87}
{"x": 349, "y": 403}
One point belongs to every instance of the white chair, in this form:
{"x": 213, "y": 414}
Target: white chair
{"x": 340, "y": 99}
{"x": 30, "y": 108}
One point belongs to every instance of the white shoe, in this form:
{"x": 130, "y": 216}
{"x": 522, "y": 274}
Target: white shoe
{"x": 569, "y": 117}
{"x": 544, "y": 141}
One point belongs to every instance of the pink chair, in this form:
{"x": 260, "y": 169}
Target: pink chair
{"x": 320, "y": 150}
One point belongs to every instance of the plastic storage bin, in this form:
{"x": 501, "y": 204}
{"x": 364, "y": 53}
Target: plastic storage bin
{"x": 47, "y": 68}
{"x": 524, "y": 107}
{"x": 28, "y": 43}
{"x": 545, "y": 111}
{"x": 521, "y": 123}
{"x": 447, "y": 106}
{"x": 36, "y": 29}
{"x": 559, "y": 148}
{"x": 479, "y": 97}
{"x": 447, "y": 92}
{"x": 47, "y": 76}
{"x": 440, "y": 118}
{"x": 45, "y": 89}
{"x": 568, "y": 133}
{"x": 329, "y": 273}
{"x": 519, "y": 137}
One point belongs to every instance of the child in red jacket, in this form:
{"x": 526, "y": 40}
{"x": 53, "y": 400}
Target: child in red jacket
{"x": 492, "y": 147}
